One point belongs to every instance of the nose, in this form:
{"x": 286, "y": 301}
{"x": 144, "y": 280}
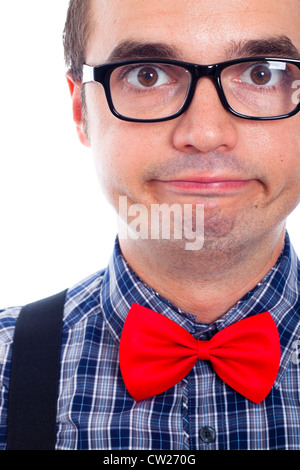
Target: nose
{"x": 206, "y": 125}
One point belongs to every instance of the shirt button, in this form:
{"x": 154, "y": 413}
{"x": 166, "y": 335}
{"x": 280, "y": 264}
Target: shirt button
{"x": 207, "y": 434}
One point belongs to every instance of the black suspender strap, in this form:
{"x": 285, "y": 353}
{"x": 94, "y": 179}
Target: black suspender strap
{"x": 33, "y": 388}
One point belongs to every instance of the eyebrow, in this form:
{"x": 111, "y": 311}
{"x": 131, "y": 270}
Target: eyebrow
{"x": 143, "y": 50}
{"x": 280, "y": 46}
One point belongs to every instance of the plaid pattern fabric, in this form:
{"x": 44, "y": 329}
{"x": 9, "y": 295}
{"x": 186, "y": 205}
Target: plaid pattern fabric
{"x": 201, "y": 412}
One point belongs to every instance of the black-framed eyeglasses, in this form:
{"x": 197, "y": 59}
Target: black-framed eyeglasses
{"x": 154, "y": 90}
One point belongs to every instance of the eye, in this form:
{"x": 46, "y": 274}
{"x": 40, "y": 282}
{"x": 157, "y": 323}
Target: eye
{"x": 261, "y": 75}
{"x": 147, "y": 76}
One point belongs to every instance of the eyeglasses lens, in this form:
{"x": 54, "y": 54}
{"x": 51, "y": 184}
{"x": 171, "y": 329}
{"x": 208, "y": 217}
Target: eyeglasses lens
{"x": 263, "y": 88}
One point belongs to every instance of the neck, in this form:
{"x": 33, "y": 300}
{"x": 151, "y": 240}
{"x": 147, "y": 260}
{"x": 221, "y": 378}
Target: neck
{"x": 206, "y": 283}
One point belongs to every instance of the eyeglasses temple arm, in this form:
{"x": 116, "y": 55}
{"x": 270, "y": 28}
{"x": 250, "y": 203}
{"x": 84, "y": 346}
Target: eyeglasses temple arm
{"x": 87, "y": 74}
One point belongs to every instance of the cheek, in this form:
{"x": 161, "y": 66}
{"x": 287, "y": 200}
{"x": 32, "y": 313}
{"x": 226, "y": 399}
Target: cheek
{"x": 121, "y": 149}
{"x": 114, "y": 162}
{"x": 286, "y": 163}
{"x": 275, "y": 147}
{"x": 279, "y": 150}
{"x": 109, "y": 140}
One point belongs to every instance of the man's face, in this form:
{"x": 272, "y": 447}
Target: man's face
{"x": 246, "y": 173}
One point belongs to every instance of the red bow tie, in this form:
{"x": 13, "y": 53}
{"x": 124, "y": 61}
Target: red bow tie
{"x": 156, "y": 353}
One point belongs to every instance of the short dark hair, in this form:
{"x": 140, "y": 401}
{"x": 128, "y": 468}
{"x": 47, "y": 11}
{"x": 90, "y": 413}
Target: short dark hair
{"x": 76, "y": 31}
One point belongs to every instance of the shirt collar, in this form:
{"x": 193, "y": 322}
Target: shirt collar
{"x": 277, "y": 293}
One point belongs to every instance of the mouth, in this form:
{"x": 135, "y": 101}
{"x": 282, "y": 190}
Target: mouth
{"x": 206, "y": 186}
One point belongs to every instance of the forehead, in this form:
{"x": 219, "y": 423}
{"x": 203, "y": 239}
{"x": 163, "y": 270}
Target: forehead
{"x": 201, "y": 30}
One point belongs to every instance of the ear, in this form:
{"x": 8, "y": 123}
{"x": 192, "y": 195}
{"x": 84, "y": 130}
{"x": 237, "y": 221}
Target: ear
{"x": 75, "y": 90}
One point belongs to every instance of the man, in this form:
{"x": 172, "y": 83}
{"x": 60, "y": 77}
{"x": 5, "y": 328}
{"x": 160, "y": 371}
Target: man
{"x": 164, "y": 131}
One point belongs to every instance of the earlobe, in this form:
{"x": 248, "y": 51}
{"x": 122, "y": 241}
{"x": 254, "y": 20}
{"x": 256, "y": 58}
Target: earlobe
{"x": 75, "y": 90}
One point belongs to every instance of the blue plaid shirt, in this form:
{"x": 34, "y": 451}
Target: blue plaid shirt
{"x": 201, "y": 412}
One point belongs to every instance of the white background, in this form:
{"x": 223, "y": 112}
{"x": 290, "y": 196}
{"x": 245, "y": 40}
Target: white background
{"x": 56, "y": 227}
